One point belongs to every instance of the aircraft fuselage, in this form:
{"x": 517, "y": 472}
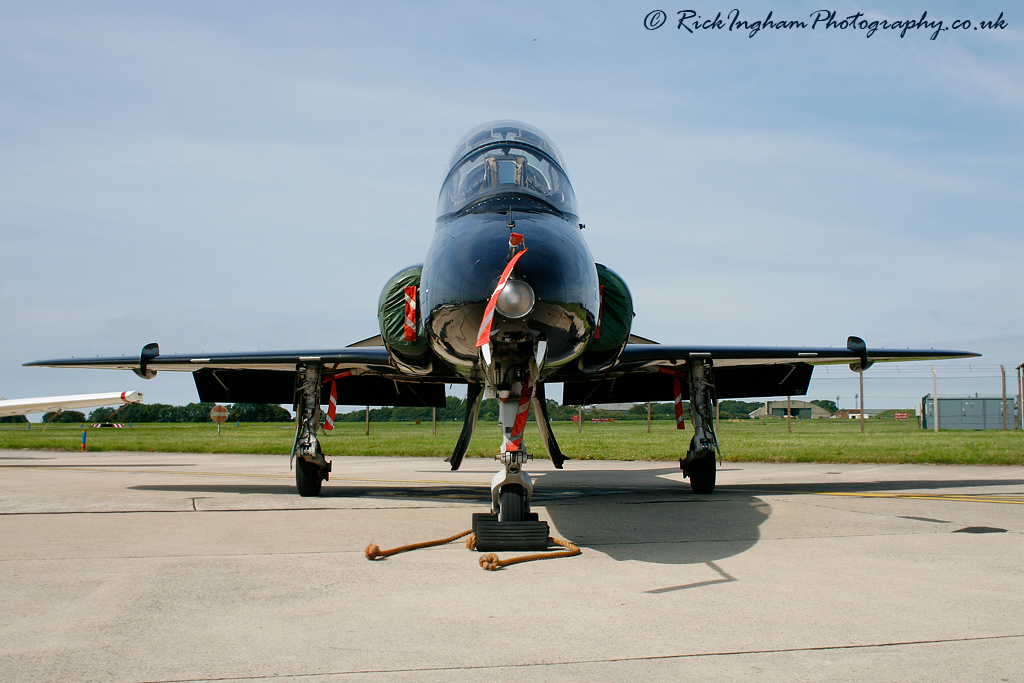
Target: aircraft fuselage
{"x": 471, "y": 248}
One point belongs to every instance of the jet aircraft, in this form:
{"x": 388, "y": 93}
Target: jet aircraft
{"x": 507, "y": 300}
{"x": 43, "y": 404}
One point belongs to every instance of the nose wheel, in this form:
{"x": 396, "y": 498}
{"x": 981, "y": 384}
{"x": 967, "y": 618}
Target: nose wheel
{"x": 512, "y": 505}
{"x": 510, "y": 525}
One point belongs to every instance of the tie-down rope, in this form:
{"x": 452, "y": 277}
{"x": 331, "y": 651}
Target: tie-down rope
{"x": 490, "y": 561}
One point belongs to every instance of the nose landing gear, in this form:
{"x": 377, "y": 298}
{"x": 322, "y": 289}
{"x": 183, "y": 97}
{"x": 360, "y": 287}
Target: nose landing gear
{"x": 510, "y": 524}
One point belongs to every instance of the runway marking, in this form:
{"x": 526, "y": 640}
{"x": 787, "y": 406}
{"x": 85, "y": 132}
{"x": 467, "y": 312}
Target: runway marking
{"x": 963, "y": 498}
{"x": 577, "y": 662}
{"x": 956, "y": 497}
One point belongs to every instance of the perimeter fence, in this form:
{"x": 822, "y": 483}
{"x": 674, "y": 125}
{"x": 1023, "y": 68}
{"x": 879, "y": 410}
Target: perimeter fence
{"x": 902, "y": 386}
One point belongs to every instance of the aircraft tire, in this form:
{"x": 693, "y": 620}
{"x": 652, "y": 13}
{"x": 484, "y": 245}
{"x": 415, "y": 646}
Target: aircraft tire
{"x": 702, "y": 475}
{"x": 307, "y": 478}
{"x": 512, "y": 503}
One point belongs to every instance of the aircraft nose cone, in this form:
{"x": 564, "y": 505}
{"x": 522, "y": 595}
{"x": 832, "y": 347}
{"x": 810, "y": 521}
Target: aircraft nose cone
{"x": 516, "y": 299}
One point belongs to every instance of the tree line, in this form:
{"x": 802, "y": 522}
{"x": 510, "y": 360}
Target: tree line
{"x": 454, "y": 410}
{"x": 193, "y": 412}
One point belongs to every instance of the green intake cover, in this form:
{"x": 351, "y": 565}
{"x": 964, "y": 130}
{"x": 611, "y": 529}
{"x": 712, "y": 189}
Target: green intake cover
{"x": 616, "y": 311}
{"x": 391, "y": 312}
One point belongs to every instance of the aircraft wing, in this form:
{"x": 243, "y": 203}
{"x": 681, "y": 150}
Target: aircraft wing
{"x": 370, "y": 359}
{"x": 645, "y": 372}
{"x": 44, "y": 404}
{"x": 365, "y": 374}
{"x": 640, "y": 355}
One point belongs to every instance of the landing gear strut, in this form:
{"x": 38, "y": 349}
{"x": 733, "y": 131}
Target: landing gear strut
{"x": 512, "y": 486}
{"x": 511, "y": 490}
{"x": 511, "y": 376}
{"x": 511, "y": 525}
{"x": 699, "y": 465}
{"x": 311, "y": 468}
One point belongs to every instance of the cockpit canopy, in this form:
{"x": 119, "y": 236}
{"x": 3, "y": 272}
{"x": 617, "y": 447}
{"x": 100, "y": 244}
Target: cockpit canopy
{"x": 501, "y": 157}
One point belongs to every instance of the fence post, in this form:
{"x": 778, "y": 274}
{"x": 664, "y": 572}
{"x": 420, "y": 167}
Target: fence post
{"x": 861, "y": 373}
{"x": 1020, "y": 394}
{"x": 1002, "y": 370}
{"x": 935, "y": 400}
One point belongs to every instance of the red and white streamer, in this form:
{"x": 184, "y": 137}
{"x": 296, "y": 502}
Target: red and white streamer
{"x": 410, "y": 313}
{"x": 515, "y": 442}
{"x": 332, "y": 406}
{"x": 677, "y": 391}
{"x": 485, "y": 325}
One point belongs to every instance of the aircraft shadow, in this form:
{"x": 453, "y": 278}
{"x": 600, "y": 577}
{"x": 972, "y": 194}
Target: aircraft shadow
{"x": 661, "y": 526}
{"x": 623, "y": 519}
{"x": 477, "y": 495}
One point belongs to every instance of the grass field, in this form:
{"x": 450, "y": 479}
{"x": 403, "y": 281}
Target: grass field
{"x": 741, "y": 441}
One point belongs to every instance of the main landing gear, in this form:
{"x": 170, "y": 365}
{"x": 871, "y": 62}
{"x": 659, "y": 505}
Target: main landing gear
{"x": 699, "y": 465}
{"x": 311, "y": 468}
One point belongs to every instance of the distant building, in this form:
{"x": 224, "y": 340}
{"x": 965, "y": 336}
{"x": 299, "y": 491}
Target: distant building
{"x": 800, "y": 409}
{"x": 613, "y": 407}
{"x": 854, "y": 413}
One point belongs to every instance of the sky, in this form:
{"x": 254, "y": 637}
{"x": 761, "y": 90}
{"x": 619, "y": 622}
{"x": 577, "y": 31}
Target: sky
{"x": 218, "y": 176}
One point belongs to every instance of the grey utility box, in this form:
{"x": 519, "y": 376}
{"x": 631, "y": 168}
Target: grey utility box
{"x": 969, "y": 412}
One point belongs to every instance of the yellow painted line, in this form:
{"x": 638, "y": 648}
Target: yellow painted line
{"x": 920, "y": 496}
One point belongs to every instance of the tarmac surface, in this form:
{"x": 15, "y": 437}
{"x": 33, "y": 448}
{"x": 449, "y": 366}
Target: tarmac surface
{"x": 208, "y": 567}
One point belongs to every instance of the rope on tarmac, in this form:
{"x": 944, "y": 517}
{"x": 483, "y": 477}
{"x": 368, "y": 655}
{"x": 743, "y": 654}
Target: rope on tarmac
{"x": 490, "y": 561}
{"x": 374, "y": 552}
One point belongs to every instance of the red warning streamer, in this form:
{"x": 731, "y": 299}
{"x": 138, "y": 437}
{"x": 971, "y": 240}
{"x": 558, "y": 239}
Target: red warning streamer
{"x": 515, "y": 442}
{"x": 410, "y": 313}
{"x": 677, "y": 390}
{"x": 332, "y": 406}
{"x": 485, "y": 326}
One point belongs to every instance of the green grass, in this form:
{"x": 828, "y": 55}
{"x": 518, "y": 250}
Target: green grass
{"x": 742, "y": 441}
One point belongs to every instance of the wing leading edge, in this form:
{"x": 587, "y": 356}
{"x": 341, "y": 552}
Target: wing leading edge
{"x": 369, "y": 359}
{"x": 645, "y": 372}
{"x": 363, "y": 375}
{"x": 640, "y": 355}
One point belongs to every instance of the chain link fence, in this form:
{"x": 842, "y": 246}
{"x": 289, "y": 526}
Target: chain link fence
{"x": 901, "y": 386}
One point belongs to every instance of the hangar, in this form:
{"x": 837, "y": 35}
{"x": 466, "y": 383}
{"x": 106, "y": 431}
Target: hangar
{"x": 804, "y": 410}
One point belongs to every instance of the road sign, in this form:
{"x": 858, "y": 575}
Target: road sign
{"x": 219, "y": 414}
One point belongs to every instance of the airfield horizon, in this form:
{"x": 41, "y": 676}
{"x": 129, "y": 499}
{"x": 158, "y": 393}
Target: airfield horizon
{"x": 823, "y": 441}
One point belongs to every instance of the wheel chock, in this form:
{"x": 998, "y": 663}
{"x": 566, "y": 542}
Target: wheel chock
{"x": 492, "y": 535}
